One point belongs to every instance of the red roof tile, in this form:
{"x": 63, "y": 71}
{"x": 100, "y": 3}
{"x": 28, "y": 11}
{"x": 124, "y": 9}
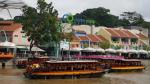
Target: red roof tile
{"x": 113, "y": 34}
{"x": 93, "y": 38}
{"x": 141, "y": 35}
{"x": 121, "y": 33}
{"x": 9, "y": 25}
{"x": 101, "y": 38}
{"x": 83, "y": 38}
{"x": 131, "y": 35}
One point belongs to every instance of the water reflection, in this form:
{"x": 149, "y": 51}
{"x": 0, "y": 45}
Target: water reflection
{"x": 12, "y": 75}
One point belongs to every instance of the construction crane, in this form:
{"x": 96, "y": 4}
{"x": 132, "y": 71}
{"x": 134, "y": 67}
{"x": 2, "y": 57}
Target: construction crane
{"x": 11, "y": 4}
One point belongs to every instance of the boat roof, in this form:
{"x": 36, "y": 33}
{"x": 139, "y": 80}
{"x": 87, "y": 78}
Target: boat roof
{"x": 39, "y": 57}
{"x": 102, "y": 57}
{"x": 131, "y": 60}
{"x": 76, "y": 61}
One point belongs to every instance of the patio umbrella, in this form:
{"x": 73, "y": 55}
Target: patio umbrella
{"x": 7, "y": 44}
{"x": 110, "y": 50}
{"x": 76, "y": 49}
{"x": 143, "y": 51}
{"x": 100, "y": 50}
{"x": 89, "y": 49}
{"x": 122, "y": 51}
{"x": 132, "y": 51}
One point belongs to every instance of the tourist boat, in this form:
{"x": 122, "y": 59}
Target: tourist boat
{"x": 6, "y": 56}
{"x": 65, "y": 69}
{"x": 116, "y": 63}
{"x": 22, "y": 63}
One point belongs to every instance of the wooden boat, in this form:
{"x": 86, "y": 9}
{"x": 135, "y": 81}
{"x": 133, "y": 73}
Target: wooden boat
{"x": 116, "y": 63}
{"x": 127, "y": 65}
{"x": 22, "y": 63}
{"x": 6, "y": 56}
{"x": 64, "y": 69}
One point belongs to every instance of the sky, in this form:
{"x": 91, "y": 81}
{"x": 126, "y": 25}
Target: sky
{"x": 76, "y": 6}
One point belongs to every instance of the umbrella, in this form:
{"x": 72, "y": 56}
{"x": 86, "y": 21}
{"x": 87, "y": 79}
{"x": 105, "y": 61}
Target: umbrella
{"x": 110, "y": 50}
{"x": 132, "y": 51}
{"x": 100, "y": 50}
{"x": 143, "y": 51}
{"x": 89, "y": 49}
{"x": 76, "y": 49}
{"x": 122, "y": 51}
{"x": 7, "y": 44}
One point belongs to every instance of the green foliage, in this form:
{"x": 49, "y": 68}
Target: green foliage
{"x": 40, "y": 24}
{"x": 134, "y": 18}
{"x": 105, "y": 44}
{"x": 101, "y": 16}
{"x": 1, "y": 19}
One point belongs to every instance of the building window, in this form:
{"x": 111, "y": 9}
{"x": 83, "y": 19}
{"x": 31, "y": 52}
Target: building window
{"x": 23, "y": 36}
{"x": 134, "y": 40}
{"x": 124, "y": 40}
{"x": 15, "y": 35}
{"x": 115, "y": 39}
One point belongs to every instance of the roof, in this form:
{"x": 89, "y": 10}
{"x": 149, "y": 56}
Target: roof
{"x": 101, "y": 38}
{"x": 83, "y": 38}
{"x": 9, "y": 25}
{"x": 140, "y": 35}
{"x": 113, "y": 33}
{"x": 131, "y": 35}
{"x": 75, "y": 38}
{"x": 78, "y": 61}
{"x": 93, "y": 38}
{"x": 123, "y": 33}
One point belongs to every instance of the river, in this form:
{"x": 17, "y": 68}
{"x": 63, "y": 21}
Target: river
{"x": 12, "y": 75}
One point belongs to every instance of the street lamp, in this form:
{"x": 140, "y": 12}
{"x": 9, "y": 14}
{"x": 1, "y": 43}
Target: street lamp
{"x": 6, "y": 39}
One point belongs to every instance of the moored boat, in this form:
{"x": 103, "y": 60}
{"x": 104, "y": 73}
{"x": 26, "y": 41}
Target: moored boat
{"x": 22, "y": 63}
{"x": 65, "y": 69}
{"x": 116, "y": 63}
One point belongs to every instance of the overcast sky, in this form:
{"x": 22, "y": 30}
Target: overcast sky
{"x": 76, "y": 6}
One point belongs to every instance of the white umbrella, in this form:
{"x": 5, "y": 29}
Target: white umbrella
{"x": 132, "y": 51}
{"x": 76, "y": 49}
{"x": 143, "y": 51}
{"x": 7, "y": 44}
{"x": 110, "y": 50}
{"x": 100, "y": 50}
{"x": 122, "y": 51}
{"x": 89, "y": 49}
{"x": 148, "y": 51}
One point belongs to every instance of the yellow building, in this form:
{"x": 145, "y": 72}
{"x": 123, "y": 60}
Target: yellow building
{"x": 120, "y": 37}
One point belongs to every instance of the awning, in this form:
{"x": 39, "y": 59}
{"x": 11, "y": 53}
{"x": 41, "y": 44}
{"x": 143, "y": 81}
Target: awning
{"x": 7, "y": 44}
{"x": 36, "y": 49}
{"x": 27, "y": 48}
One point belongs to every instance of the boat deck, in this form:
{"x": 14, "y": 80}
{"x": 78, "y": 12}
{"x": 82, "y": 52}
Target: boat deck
{"x": 68, "y": 72}
{"x": 128, "y": 68}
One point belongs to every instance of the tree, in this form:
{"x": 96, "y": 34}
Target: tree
{"x": 100, "y": 15}
{"x": 1, "y": 19}
{"x": 105, "y": 44}
{"x": 40, "y": 24}
{"x": 134, "y": 18}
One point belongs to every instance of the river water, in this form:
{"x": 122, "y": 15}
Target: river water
{"x": 12, "y": 75}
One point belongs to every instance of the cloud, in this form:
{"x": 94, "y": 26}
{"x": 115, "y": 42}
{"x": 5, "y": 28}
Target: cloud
{"x": 116, "y": 6}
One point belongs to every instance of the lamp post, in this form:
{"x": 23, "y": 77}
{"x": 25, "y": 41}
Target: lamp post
{"x": 3, "y": 63}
